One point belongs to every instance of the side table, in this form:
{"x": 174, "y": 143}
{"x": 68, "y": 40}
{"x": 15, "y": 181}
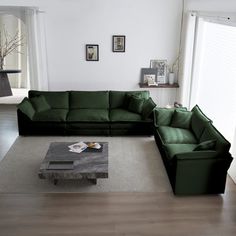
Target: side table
{"x": 5, "y": 88}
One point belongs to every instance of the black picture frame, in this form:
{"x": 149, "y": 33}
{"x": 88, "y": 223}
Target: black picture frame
{"x": 92, "y": 52}
{"x": 118, "y": 43}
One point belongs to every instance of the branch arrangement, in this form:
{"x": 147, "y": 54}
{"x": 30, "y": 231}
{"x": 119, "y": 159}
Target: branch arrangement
{"x": 9, "y": 44}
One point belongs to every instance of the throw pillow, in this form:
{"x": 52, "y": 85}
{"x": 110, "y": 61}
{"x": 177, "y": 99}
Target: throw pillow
{"x": 181, "y": 119}
{"x": 136, "y": 104}
{"x": 163, "y": 116}
{"x": 26, "y": 107}
{"x": 207, "y": 145}
{"x": 127, "y": 98}
{"x": 39, "y": 103}
{"x": 148, "y": 107}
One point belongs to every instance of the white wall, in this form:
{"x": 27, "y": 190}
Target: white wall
{"x": 152, "y": 29}
{"x": 211, "y": 5}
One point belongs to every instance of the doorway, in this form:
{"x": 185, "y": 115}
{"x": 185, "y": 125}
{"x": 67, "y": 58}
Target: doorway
{"x": 19, "y": 82}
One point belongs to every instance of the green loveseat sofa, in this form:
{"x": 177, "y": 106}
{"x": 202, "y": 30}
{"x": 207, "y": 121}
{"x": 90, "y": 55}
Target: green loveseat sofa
{"x": 195, "y": 154}
{"x": 86, "y": 113}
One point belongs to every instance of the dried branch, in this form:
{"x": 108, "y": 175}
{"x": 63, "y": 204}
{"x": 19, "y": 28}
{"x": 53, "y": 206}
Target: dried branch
{"x": 9, "y": 44}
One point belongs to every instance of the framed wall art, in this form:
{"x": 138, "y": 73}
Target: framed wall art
{"x": 161, "y": 66}
{"x": 118, "y": 43}
{"x": 92, "y": 52}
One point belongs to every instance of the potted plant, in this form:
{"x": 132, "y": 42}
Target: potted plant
{"x": 9, "y": 44}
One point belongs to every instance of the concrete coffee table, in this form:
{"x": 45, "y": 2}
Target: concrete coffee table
{"x": 60, "y": 163}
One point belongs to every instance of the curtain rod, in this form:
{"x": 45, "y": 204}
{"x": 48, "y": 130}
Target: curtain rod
{"x": 200, "y": 14}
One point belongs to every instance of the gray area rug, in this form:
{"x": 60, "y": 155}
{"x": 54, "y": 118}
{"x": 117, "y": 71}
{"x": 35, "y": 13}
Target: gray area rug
{"x": 135, "y": 165}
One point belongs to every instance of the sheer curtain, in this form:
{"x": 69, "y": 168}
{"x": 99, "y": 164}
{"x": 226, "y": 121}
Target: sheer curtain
{"x": 37, "y": 51}
{"x": 186, "y": 58}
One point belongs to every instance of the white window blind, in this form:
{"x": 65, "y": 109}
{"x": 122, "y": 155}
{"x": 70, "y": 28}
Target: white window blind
{"x": 214, "y": 80}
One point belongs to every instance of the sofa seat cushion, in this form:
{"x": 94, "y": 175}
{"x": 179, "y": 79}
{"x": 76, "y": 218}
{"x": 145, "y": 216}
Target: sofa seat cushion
{"x": 122, "y": 115}
{"x": 51, "y": 115}
{"x": 176, "y": 135}
{"x": 95, "y": 115}
{"x": 173, "y": 149}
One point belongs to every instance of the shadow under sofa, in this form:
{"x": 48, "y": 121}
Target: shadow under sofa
{"x": 87, "y": 113}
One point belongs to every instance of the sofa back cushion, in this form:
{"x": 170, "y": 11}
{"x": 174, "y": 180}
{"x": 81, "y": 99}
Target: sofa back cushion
{"x": 181, "y": 119}
{"x": 211, "y": 133}
{"x": 163, "y": 116}
{"x": 40, "y": 104}
{"x": 89, "y": 100}
{"x": 56, "y": 100}
{"x": 118, "y": 98}
{"x": 198, "y": 121}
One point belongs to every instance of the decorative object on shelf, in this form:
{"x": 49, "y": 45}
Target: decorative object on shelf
{"x": 118, "y": 43}
{"x": 148, "y": 74}
{"x": 161, "y": 66}
{"x": 92, "y": 52}
{"x": 171, "y": 78}
{"x": 9, "y": 44}
{"x": 172, "y": 69}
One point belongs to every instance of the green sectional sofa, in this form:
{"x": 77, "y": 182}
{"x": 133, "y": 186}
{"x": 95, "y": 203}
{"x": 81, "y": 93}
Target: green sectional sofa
{"x": 86, "y": 113}
{"x": 195, "y": 154}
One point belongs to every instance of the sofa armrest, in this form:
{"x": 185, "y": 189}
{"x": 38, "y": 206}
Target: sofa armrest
{"x": 200, "y": 172}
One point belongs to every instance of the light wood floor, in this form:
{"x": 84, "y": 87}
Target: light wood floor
{"x": 111, "y": 213}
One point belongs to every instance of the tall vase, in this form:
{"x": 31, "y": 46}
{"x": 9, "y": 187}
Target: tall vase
{"x": 171, "y": 78}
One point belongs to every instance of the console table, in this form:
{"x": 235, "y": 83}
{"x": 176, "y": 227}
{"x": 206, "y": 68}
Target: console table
{"x": 5, "y": 88}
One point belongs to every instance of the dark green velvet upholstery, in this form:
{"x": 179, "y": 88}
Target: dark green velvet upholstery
{"x": 206, "y": 145}
{"x": 198, "y": 121}
{"x": 190, "y": 170}
{"x": 97, "y": 115}
{"x": 181, "y": 119}
{"x": 163, "y": 116}
{"x": 85, "y": 113}
{"x": 51, "y": 115}
{"x": 26, "y": 107}
{"x": 211, "y": 133}
{"x": 122, "y": 115}
{"x": 173, "y": 149}
{"x": 136, "y": 104}
{"x": 89, "y": 100}
{"x": 40, "y": 103}
{"x": 176, "y": 135}
{"x": 56, "y": 100}
{"x": 148, "y": 108}
{"x": 118, "y": 99}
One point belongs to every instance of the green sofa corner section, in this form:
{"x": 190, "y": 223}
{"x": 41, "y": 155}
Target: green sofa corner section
{"x": 195, "y": 154}
{"x": 83, "y": 113}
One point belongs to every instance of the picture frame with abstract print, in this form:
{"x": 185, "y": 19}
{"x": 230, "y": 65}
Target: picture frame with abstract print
{"x": 161, "y": 66}
{"x": 118, "y": 43}
{"x": 92, "y": 52}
